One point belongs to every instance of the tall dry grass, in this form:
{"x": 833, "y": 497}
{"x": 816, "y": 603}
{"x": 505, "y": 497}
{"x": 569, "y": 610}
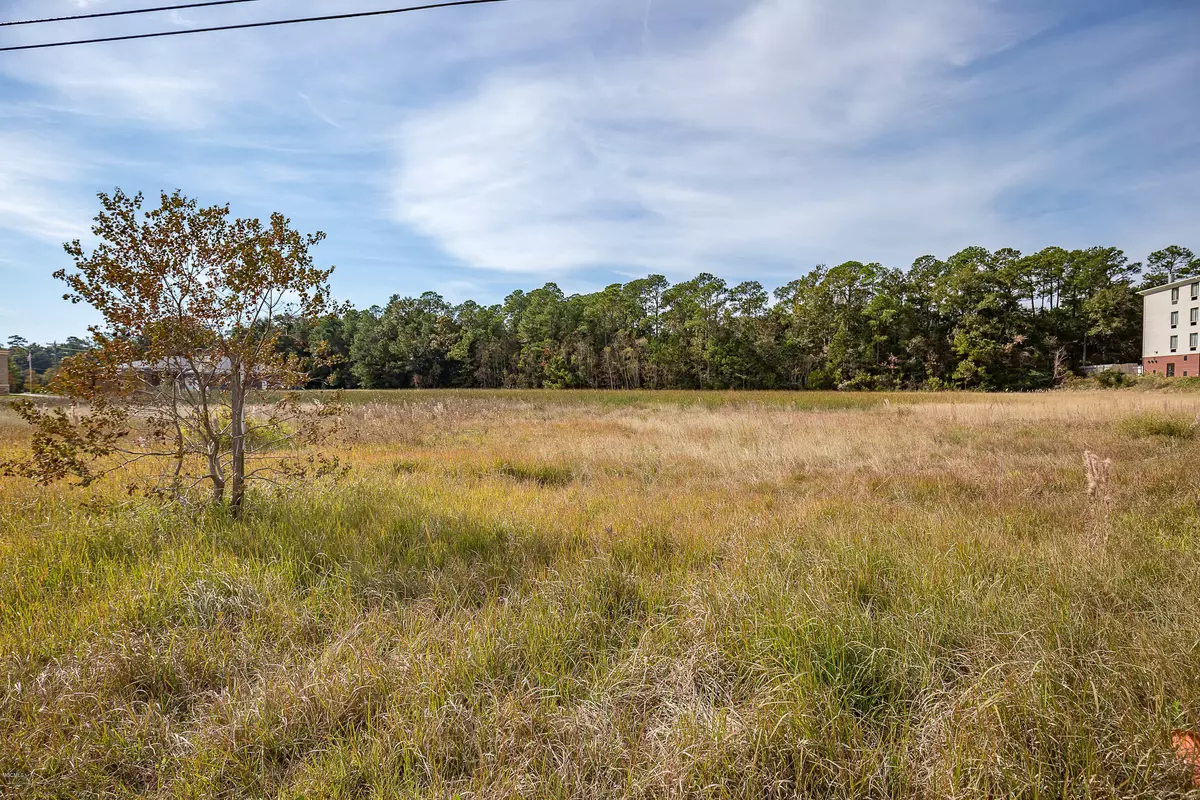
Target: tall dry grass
{"x": 560, "y": 595}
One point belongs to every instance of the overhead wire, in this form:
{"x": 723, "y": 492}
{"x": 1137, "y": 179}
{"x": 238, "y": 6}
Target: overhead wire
{"x": 126, "y": 13}
{"x": 247, "y": 25}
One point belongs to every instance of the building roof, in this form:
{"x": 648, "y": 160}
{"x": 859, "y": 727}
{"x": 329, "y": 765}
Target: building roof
{"x": 177, "y": 364}
{"x": 1173, "y": 285}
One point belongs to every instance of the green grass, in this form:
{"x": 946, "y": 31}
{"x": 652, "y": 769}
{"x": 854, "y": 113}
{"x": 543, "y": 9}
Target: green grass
{"x": 525, "y": 598}
{"x": 619, "y": 399}
{"x": 1165, "y": 426}
{"x": 1141, "y": 383}
{"x": 541, "y": 474}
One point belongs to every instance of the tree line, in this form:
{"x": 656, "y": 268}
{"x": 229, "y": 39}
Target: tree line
{"x": 979, "y": 319}
{"x": 44, "y": 359}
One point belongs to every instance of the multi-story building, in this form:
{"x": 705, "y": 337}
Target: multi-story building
{"x": 3, "y": 372}
{"x": 1171, "y": 329}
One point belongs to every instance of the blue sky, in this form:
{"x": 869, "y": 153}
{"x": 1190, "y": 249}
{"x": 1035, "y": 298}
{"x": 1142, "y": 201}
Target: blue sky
{"x": 475, "y": 150}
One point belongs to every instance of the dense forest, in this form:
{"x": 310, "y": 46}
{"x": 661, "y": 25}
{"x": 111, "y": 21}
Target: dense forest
{"x": 979, "y": 319}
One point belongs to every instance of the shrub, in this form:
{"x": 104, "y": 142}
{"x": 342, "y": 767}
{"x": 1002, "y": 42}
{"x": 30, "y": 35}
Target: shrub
{"x": 821, "y": 378}
{"x": 935, "y": 385}
{"x": 864, "y": 382}
{"x": 1111, "y": 379}
{"x": 859, "y": 383}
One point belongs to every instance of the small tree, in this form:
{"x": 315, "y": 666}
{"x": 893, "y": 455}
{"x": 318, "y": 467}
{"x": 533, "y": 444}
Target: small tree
{"x": 191, "y": 301}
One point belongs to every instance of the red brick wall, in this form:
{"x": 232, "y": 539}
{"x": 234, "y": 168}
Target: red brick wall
{"x": 1185, "y": 363}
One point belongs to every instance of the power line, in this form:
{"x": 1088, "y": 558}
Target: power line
{"x": 126, "y": 13}
{"x": 247, "y": 25}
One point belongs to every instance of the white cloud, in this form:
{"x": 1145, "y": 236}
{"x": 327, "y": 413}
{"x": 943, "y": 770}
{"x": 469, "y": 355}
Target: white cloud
{"x": 743, "y": 147}
{"x": 33, "y": 174}
{"x": 146, "y": 82}
{"x": 798, "y": 129}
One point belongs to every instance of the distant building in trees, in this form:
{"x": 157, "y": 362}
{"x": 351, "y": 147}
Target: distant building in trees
{"x": 189, "y": 373}
{"x": 1171, "y": 329}
{"x": 3, "y": 371}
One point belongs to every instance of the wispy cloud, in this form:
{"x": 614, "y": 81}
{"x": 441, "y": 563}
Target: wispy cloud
{"x": 825, "y": 129}
{"x": 36, "y": 176}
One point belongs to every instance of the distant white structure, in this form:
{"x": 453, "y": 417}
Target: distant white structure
{"x": 1171, "y": 329}
{"x": 187, "y": 373}
{"x": 3, "y": 371}
{"x": 1124, "y": 369}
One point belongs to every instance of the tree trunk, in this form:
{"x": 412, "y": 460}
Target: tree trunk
{"x": 214, "y": 472}
{"x": 237, "y": 407}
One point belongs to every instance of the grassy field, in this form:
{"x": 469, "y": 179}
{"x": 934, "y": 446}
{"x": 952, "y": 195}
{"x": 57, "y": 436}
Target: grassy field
{"x": 596, "y": 595}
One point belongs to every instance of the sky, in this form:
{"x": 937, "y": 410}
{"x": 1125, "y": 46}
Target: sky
{"x": 475, "y": 150}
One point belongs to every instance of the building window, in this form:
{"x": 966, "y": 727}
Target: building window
{"x": 1170, "y": 370}
{"x": 1195, "y": 315}
{"x": 1175, "y": 295}
{"x": 1193, "y": 341}
{"x": 1196, "y": 291}
{"x": 1174, "y": 343}
{"x": 1174, "y": 319}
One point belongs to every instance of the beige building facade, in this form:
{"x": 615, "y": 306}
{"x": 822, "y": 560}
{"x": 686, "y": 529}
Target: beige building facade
{"x": 1171, "y": 329}
{"x": 3, "y": 371}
